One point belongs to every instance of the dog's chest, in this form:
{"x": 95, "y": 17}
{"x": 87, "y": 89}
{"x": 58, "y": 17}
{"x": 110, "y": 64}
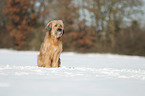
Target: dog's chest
{"x": 52, "y": 48}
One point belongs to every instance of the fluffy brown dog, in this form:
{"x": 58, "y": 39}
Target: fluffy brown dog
{"x": 52, "y": 45}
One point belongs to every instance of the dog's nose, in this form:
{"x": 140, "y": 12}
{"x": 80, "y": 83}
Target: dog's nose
{"x": 59, "y": 29}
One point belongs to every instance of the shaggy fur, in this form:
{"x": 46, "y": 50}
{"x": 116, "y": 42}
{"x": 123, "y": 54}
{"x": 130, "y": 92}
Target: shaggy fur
{"x": 51, "y": 47}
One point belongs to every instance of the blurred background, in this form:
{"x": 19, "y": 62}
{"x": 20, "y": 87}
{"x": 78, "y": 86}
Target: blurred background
{"x": 114, "y": 26}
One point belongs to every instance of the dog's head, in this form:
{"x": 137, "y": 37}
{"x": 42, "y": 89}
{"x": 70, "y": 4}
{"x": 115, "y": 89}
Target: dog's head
{"x": 55, "y": 28}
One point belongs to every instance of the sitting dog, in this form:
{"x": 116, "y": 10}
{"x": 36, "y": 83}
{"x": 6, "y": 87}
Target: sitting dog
{"x": 51, "y": 47}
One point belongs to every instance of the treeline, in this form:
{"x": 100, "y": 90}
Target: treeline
{"x": 90, "y": 25}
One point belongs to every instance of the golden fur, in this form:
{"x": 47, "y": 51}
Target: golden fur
{"x": 51, "y": 47}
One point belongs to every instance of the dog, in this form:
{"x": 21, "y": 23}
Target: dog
{"x": 51, "y": 47}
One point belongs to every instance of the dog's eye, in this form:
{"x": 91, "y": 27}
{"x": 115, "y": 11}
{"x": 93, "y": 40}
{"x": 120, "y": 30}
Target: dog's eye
{"x": 56, "y": 25}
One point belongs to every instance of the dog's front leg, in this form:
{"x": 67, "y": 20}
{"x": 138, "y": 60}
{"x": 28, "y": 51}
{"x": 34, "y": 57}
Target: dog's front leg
{"x": 47, "y": 61}
{"x": 55, "y": 61}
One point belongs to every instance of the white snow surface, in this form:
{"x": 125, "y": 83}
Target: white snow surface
{"x": 80, "y": 75}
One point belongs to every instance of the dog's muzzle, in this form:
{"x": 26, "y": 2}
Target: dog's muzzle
{"x": 59, "y": 32}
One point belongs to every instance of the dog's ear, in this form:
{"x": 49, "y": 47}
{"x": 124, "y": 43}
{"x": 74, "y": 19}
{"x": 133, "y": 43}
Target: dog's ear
{"x": 48, "y": 28}
{"x": 63, "y": 32}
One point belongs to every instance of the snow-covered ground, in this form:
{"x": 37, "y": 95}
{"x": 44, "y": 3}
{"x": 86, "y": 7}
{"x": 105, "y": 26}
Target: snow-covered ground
{"x": 80, "y": 75}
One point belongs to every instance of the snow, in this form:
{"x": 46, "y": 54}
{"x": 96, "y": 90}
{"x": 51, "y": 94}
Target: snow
{"x": 80, "y": 75}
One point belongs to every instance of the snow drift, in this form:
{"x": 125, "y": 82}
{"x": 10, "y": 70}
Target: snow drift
{"x": 79, "y": 75}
